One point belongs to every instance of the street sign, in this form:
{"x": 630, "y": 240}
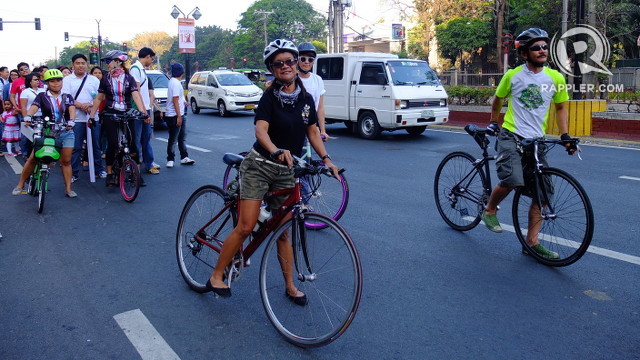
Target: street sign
{"x": 397, "y": 33}
{"x": 186, "y": 36}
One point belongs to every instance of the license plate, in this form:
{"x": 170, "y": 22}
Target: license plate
{"x": 427, "y": 114}
{"x": 250, "y": 106}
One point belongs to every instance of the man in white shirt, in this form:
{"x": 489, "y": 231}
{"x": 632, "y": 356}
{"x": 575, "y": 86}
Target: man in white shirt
{"x": 176, "y": 117}
{"x": 4, "y": 79}
{"x": 143, "y": 128}
{"x": 83, "y": 88}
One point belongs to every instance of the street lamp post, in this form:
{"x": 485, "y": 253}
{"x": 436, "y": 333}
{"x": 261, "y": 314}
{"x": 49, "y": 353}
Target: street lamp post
{"x": 196, "y": 14}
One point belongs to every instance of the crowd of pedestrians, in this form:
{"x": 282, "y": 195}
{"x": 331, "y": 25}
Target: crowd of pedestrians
{"x": 76, "y": 96}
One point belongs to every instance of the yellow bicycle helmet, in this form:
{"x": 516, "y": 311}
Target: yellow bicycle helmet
{"x": 52, "y": 74}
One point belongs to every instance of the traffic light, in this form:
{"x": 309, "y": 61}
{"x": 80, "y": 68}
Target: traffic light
{"x": 93, "y": 58}
{"x": 124, "y": 46}
{"x": 66, "y": 36}
{"x": 37, "y": 23}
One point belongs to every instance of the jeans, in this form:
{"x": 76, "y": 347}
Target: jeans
{"x": 179, "y": 133}
{"x": 143, "y": 132}
{"x": 25, "y": 144}
{"x": 80, "y": 131}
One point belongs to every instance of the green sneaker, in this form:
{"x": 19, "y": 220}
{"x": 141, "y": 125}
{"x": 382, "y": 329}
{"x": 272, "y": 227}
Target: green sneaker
{"x": 491, "y": 221}
{"x": 542, "y": 251}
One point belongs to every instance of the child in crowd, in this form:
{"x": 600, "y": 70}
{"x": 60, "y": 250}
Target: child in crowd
{"x": 11, "y": 133}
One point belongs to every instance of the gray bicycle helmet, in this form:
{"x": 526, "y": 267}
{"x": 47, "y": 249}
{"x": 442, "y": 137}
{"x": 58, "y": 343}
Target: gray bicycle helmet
{"x": 115, "y": 55}
{"x": 277, "y": 46}
{"x": 307, "y": 47}
{"x": 529, "y": 36}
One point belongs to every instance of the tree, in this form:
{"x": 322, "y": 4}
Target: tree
{"x": 209, "y": 40}
{"x": 159, "y": 41}
{"x": 294, "y": 20}
{"x": 462, "y": 35}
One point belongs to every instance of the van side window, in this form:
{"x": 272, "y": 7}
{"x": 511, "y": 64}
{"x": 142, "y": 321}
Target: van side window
{"x": 331, "y": 68}
{"x": 200, "y": 80}
{"x": 372, "y": 74}
{"x": 210, "y": 81}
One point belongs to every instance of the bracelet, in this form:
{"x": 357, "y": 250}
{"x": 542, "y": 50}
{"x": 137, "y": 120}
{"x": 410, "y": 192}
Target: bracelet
{"x": 274, "y": 155}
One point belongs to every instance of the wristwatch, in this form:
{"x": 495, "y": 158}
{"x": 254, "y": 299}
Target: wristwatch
{"x": 326, "y": 157}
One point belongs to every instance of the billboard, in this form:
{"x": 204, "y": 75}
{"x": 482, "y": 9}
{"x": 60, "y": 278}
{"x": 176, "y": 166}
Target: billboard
{"x": 186, "y": 36}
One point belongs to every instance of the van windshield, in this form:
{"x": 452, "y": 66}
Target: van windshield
{"x": 233, "y": 80}
{"x": 412, "y": 73}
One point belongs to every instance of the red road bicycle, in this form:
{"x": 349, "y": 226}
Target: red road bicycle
{"x": 326, "y": 266}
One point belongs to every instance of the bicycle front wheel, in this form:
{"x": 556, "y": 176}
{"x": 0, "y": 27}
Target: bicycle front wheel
{"x": 330, "y": 276}
{"x": 129, "y": 180}
{"x": 200, "y": 235}
{"x": 326, "y": 195}
{"x": 565, "y": 225}
{"x": 459, "y": 191}
{"x": 42, "y": 190}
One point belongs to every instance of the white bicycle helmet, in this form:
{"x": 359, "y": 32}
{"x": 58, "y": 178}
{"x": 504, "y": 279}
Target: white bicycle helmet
{"x": 116, "y": 55}
{"x": 277, "y": 46}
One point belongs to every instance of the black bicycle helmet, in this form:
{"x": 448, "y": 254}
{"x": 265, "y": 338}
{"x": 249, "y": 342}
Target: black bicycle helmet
{"x": 307, "y": 47}
{"x": 116, "y": 55}
{"x": 277, "y": 46}
{"x": 529, "y": 36}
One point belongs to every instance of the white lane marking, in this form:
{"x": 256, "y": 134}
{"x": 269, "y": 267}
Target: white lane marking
{"x": 144, "y": 337}
{"x": 188, "y": 146}
{"x": 15, "y": 165}
{"x": 570, "y": 243}
{"x": 629, "y": 178}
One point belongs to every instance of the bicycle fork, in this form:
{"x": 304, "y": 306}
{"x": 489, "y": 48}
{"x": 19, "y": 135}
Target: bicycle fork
{"x": 547, "y": 212}
{"x": 299, "y": 244}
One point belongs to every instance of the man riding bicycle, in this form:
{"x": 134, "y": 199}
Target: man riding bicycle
{"x": 532, "y": 87}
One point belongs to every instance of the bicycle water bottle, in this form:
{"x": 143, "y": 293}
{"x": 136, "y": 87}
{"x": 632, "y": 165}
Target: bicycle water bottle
{"x": 265, "y": 214}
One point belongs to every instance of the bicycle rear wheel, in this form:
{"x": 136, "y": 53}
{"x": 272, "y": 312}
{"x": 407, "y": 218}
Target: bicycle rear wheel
{"x": 42, "y": 190}
{"x": 459, "y": 191}
{"x": 129, "y": 179}
{"x": 198, "y": 239}
{"x": 32, "y": 185}
{"x": 231, "y": 173}
{"x": 326, "y": 195}
{"x": 568, "y": 232}
{"x": 333, "y": 283}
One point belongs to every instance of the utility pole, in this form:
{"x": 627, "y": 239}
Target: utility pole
{"x": 265, "y": 15}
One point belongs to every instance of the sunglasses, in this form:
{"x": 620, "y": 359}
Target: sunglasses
{"x": 539, "y": 47}
{"x": 24, "y": 69}
{"x": 108, "y": 61}
{"x": 288, "y": 62}
{"x": 307, "y": 59}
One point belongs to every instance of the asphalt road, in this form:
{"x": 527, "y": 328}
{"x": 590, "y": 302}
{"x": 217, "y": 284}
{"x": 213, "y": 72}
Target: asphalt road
{"x": 80, "y": 278}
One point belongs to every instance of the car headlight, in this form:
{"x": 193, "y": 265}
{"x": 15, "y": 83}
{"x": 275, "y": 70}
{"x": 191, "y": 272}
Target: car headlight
{"x": 229, "y": 93}
{"x": 402, "y": 104}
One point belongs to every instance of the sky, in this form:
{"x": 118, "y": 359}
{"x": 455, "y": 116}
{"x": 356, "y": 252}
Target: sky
{"x": 122, "y": 20}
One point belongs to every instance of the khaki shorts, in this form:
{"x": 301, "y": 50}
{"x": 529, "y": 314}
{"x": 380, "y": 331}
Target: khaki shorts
{"x": 510, "y": 162}
{"x": 259, "y": 175}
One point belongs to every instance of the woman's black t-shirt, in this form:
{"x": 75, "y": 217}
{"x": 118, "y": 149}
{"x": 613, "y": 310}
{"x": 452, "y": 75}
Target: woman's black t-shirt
{"x": 117, "y": 91}
{"x": 57, "y": 108}
{"x": 287, "y": 123}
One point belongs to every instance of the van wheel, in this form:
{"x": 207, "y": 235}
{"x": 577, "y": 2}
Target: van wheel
{"x": 194, "y": 107}
{"x": 222, "y": 109}
{"x": 416, "y": 130}
{"x": 368, "y": 126}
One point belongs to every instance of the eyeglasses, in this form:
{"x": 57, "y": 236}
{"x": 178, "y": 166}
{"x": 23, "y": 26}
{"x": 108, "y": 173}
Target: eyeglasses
{"x": 307, "y": 59}
{"x": 539, "y": 47}
{"x": 288, "y": 62}
{"x": 24, "y": 69}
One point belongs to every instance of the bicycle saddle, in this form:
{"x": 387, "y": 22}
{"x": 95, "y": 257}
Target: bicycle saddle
{"x": 232, "y": 159}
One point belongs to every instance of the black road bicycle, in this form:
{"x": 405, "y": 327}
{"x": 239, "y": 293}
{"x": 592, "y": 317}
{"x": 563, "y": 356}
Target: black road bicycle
{"x": 560, "y": 206}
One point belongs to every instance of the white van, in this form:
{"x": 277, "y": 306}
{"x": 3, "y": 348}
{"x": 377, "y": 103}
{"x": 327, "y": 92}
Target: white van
{"x": 371, "y": 92}
{"x": 224, "y": 90}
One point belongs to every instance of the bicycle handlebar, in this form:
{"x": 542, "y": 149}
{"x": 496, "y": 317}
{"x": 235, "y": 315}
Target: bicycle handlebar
{"x": 125, "y": 116}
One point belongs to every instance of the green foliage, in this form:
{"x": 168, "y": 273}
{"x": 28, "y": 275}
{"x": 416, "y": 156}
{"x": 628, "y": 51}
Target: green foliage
{"x": 627, "y": 96}
{"x": 461, "y": 35}
{"x": 467, "y": 95}
{"x": 524, "y": 14}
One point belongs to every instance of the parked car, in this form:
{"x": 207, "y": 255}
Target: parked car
{"x": 160, "y": 83}
{"x": 224, "y": 90}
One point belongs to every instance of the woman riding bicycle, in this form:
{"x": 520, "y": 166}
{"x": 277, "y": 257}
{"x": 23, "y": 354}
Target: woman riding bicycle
{"x": 61, "y": 108}
{"x": 285, "y": 115}
{"x": 118, "y": 88}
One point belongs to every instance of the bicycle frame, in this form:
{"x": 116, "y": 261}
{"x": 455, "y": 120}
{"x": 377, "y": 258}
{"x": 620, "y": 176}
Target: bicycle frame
{"x": 290, "y": 206}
